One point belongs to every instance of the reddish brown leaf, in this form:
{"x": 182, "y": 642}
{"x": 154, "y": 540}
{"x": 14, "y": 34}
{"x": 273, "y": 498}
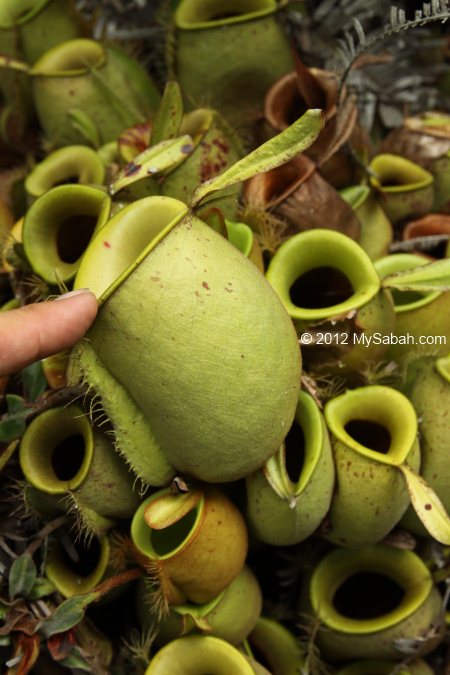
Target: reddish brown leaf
{"x": 19, "y": 618}
{"x": 134, "y": 140}
{"x": 309, "y": 86}
{"x": 27, "y": 647}
{"x": 336, "y": 133}
{"x": 60, "y": 645}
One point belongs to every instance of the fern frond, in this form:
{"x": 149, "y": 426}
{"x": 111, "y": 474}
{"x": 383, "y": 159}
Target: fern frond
{"x": 350, "y": 51}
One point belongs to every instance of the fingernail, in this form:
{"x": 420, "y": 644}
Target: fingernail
{"x": 71, "y": 294}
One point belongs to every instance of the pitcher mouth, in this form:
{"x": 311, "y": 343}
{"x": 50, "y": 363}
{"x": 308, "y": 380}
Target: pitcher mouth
{"x": 80, "y": 575}
{"x": 71, "y": 58}
{"x": 125, "y": 240}
{"x": 343, "y": 271}
{"x": 298, "y": 457}
{"x": 166, "y": 542}
{"x": 284, "y": 104}
{"x": 368, "y": 589}
{"x": 58, "y": 227}
{"x": 375, "y": 421}
{"x": 72, "y": 164}
{"x": 17, "y": 12}
{"x": 195, "y": 14}
{"x": 394, "y": 174}
{"x": 57, "y": 449}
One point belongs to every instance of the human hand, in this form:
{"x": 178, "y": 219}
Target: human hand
{"x": 35, "y": 331}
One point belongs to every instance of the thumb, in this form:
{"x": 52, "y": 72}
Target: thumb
{"x": 39, "y": 330}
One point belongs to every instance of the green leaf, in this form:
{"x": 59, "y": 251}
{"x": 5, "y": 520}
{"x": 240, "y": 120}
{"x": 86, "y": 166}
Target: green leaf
{"x": 427, "y": 505}
{"x": 68, "y": 614}
{"x": 167, "y": 122}
{"x": 41, "y": 588}
{"x": 34, "y": 381}
{"x": 22, "y": 576}
{"x": 152, "y": 161}
{"x": 85, "y": 126}
{"x": 13, "y": 422}
{"x": 75, "y": 660}
{"x": 434, "y": 276}
{"x": 16, "y": 404}
{"x": 273, "y": 153}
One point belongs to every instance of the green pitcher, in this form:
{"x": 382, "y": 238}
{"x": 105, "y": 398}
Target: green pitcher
{"x": 370, "y": 599}
{"x": 177, "y": 298}
{"x": 289, "y": 497}
{"x": 227, "y": 53}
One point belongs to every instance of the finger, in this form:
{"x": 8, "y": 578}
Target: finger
{"x": 39, "y": 330}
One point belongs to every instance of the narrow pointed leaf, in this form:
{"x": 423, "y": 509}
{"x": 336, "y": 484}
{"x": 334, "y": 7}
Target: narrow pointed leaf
{"x": 152, "y": 161}
{"x": 434, "y": 276}
{"x": 427, "y": 505}
{"x": 16, "y": 404}
{"x": 273, "y": 153}
{"x": 167, "y": 122}
{"x": 308, "y": 85}
{"x": 76, "y": 660}
{"x": 68, "y": 614}
{"x": 22, "y": 576}
{"x": 41, "y": 588}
